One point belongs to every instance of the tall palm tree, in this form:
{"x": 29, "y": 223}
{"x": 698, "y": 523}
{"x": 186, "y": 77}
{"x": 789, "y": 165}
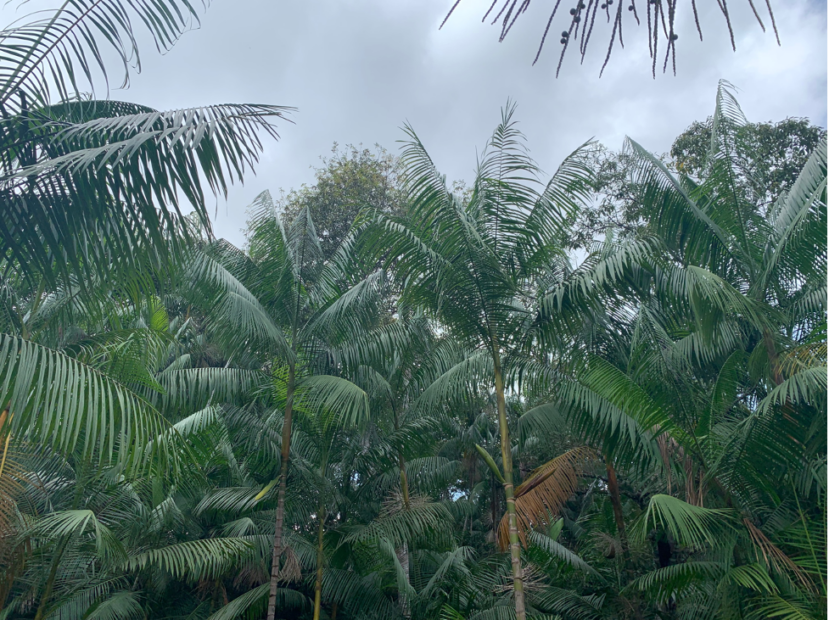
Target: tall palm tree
{"x": 315, "y": 303}
{"x": 472, "y": 265}
{"x": 718, "y": 383}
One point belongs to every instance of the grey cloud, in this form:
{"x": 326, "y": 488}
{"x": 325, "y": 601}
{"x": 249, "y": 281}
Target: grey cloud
{"x": 358, "y": 69}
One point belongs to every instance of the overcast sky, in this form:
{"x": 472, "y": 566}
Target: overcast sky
{"x": 358, "y": 69}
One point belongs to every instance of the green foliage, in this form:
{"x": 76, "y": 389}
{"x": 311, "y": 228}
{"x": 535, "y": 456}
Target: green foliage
{"x": 654, "y": 417}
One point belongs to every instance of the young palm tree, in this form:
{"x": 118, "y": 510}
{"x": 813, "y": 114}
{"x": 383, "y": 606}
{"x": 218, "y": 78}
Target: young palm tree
{"x": 472, "y": 265}
{"x": 314, "y": 303}
{"x": 78, "y": 506}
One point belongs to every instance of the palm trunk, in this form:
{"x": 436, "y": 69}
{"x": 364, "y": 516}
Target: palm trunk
{"x": 403, "y": 558}
{"x": 403, "y": 552}
{"x": 404, "y": 481}
{"x": 50, "y": 580}
{"x": 512, "y": 519}
{"x": 616, "y": 501}
{"x": 774, "y": 359}
{"x": 320, "y": 561}
{"x": 283, "y": 485}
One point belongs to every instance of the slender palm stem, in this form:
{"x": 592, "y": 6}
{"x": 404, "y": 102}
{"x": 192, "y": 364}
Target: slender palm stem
{"x": 512, "y": 518}
{"x": 283, "y": 485}
{"x": 616, "y": 501}
{"x": 320, "y": 562}
{"x": 50, "y": 581}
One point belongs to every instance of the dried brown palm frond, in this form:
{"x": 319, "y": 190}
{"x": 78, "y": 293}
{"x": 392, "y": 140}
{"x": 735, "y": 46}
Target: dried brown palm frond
{"x": 772, "y": 556}
{"x": 541, "y": 496}
{"x": 291, "y": 568}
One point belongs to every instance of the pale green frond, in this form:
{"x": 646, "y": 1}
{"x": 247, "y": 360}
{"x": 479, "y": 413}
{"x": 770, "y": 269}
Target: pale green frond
{"x": 199, "y": 421}
{"x": 358, "y": 593}
{"x": 404, "y": 526}
{"x": 779, "y": 607}
{"x": 727, "y": 114}
{"x": 544, "y": 418}
{"x": 61, "y": 43}
{"x": 690, "y": 525}
{"x": 752, "y": 577}
{"x": 621, "y": 391}
{"x": 122, "y": 605}
{"x": 565, "y": 193}
{"x": 710, "y": 297}
{"x": 671, "y": 197}
{"x": 427, "y": 474}
{"x": 193, "y": 560}
{"x": 252, "y": 603}
{"x": 145, "y": 159}
{"x": 65, "y": 523}
{"x": 355, "y": 306}
{"x": 75, "y": 605}
{"x": 194, "y": 388}
{"x": 67, "y": 404}
{"x": 504, "y": 611}
{"x": 228, "y": 499}
{"x": 404, "y": 588}
{"x": 453, "y": 563}
{"x": 462, "y": 378}
{"x": 558, "y": 551}
{"x": 798, "y": 244}
{"x": 805, "y": 387}
{"x": 447, "y": 612}
{"x": 570, "y": 604}
{"x": 344, "y": 404}
{"x": 670, "y": 581}
{"x": 238, "y": 317}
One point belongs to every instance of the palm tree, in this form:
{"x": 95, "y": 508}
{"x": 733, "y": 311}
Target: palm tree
{"x": 90, "y": 195}
{"x": 472, "y": 265}
{"x": 716, "y": 383}
{"x": 76, "y": 506}
{"x": 316, "y": 304}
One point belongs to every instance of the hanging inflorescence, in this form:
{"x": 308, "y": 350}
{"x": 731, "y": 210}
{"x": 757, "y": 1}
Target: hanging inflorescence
{"x": 660, "y": 16}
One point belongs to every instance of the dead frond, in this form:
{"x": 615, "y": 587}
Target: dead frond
{"x": 539, "y": 498}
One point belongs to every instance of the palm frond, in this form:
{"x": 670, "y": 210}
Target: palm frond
{"x": 67, "y": 404}
{"x": 539, "y": 498}
{"x": 208, "y": 558}
{"x": 690, "y": 525}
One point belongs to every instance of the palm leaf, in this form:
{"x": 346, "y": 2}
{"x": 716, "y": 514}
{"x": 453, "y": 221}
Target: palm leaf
{"x": 690, "y": 525}
{"x": 67, "y": 404}
{"x": 208, "y": 558}
{"x": 543, "y": 493}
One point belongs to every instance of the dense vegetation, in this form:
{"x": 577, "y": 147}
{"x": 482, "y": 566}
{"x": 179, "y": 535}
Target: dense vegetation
{"x": 600, "y": 394}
